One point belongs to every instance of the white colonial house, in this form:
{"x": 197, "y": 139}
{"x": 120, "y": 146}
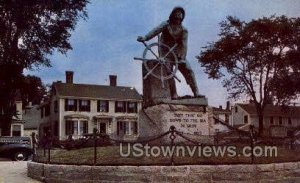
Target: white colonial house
{"x": 220, "y": 119}
{"x": 278, "y": 120}
{"x": 76, "y": 109}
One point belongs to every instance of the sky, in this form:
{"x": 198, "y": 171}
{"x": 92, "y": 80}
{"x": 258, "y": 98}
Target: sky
{"x": 105, "y": 43}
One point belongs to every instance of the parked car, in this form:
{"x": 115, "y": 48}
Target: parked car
{"x": 16, "y": 148}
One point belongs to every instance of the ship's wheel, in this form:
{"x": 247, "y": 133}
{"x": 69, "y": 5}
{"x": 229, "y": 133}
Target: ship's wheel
{"x": 162, "y": 67}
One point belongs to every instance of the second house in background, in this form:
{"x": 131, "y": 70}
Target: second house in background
{"x": 76, "y": 109}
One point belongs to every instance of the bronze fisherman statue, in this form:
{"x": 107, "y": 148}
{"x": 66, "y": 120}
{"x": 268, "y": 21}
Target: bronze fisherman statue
{"x": 173, "y": 32}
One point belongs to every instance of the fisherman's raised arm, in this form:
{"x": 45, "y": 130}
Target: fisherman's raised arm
{"x": 154, "y": 32}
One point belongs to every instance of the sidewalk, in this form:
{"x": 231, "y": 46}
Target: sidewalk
{"x": 14, "y": 172}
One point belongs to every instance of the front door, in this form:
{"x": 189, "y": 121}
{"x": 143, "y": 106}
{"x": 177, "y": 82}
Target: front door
{"x": 102, "y": 128}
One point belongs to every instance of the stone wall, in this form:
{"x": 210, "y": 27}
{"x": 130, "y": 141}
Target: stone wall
{"x": 283, "y": 172}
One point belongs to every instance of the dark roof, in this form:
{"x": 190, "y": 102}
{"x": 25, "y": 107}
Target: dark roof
{"x": 31, "y": 116}
{"x": 271, "y": 110}
{"x": 96, "y": 91}
{"x": 219, "y": 110}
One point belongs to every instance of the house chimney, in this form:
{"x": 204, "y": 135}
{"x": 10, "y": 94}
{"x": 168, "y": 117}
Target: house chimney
{"x": 113, "y": 80}
{"x": 227, "y": 105}
{"x": 69, "y": 77}
{"x": 220, "y": 107}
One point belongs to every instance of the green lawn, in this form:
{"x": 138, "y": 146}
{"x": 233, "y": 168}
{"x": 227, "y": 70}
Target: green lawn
{"x": 110, "y": 155}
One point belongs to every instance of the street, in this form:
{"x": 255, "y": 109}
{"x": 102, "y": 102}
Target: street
{"x": 14, "y": 172}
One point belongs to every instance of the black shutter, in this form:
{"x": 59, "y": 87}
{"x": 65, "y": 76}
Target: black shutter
{"x": 127, "y": 107}
{"x": 124, "y": 106}
{"x": 116, "y": 106}
{"x": 107, "y": 106}
{"x": 124, "y": 127}
{"x": 89, "y": 105}
{"x": 75, "y": 105}
{"x": 85, "y": 127}
{"x": 118, "y": 128}
{"x": 67, "y": 128}
{"x": 98, "y": 105}
{"x": 121, "y": 125}
{"x": 66, "y": 104}
{"x": 135, "y": 131}
{"x": 80, "y": 106}
{"x": 72, "y": 126}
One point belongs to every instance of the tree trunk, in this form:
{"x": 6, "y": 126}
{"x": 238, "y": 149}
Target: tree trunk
{"x": 260, "y": 124}
{"x": 9, "y": 79}
{"x": 8, "y": 110}
{"x": 5, "y": 124}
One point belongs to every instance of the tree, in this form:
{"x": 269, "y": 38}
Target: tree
{"x": 252, "y": 58}
{"x": 30, "y": 30}
{"x": 32, "y": 90}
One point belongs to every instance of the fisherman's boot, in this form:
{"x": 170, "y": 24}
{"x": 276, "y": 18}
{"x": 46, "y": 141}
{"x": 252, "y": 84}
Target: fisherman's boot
{"x": 173, "y": 90}
{"x": 195, "y": 89}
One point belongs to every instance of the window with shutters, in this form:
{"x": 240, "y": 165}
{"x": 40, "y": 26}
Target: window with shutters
{"x": 127, "y": 128}
{"x": 70, "y": 127}
{"x": 83, "y": 127}
{"x": 75, "y": 127}
{"x": 131, "y": 107}
{"x": 120, "y": 106}
{"x": 102, "y": 106}
{"x": 84, "y": 105}
{"x": 70, "y": 105}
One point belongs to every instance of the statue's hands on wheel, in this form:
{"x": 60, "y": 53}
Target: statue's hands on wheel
{"x": 158, "y": 67}
{"x": 181, "y": 58}
{"x": 141, "y": 39}
{"x": 181, "y": 61}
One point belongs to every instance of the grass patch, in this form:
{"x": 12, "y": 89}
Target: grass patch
{"x": 110, "y": 155}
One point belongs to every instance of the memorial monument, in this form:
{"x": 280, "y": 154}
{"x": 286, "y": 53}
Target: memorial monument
{"x": 161, "y": 61}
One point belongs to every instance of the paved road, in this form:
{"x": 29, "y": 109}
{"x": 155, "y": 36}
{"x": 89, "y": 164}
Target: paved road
{"x": 14, "y": 172}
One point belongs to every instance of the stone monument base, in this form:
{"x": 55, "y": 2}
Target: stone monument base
{"x": 188, "y": 116}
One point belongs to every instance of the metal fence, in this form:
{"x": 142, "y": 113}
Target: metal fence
{"x": 101, "y": 149}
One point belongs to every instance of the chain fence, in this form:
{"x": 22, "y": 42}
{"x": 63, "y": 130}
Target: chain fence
{"x": 163, "y": 149}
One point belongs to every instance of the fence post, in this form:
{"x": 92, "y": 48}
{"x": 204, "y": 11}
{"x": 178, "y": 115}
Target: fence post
{"x": 95, "y": 145}
{"x": 292, "y": 141}
{"x": 217, "y": 138}
{"x": 33, "y": 141}
{"x": 45, "y": 141}
{"x": 172, "y": 137}
{"x": 252, "y": 142}
{"x": 49, "y": 142}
